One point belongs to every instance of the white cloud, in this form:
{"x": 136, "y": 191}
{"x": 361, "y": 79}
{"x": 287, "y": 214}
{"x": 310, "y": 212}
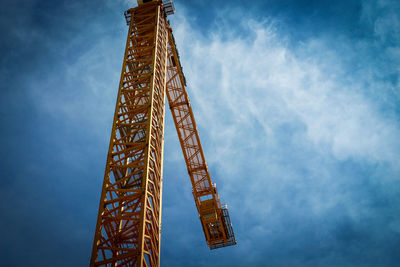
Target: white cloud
{"x": 277, "y": 121}
{"x": 383, "y": 15}
{"x": 234, "y": 82}
{"x": 270, "y": 116}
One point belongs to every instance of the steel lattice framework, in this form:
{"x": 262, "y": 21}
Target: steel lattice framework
{"x": 128, "y": 229}
{"x": 214, "y": 218}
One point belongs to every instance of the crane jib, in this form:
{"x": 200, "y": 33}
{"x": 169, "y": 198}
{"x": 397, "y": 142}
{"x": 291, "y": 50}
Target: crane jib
{"x": 128, "y": 228}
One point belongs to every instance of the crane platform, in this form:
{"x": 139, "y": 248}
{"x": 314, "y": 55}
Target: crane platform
{"x": 231, "y": 240}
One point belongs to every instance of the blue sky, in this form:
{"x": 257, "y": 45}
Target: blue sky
{"x": 298, "y": 109}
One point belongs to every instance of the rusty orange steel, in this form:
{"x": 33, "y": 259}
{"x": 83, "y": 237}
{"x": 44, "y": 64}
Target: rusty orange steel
{"x": 128, "y": 229}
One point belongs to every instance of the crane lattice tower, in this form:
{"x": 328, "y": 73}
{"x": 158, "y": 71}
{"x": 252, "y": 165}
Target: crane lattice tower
{"x": 128, "y": 229}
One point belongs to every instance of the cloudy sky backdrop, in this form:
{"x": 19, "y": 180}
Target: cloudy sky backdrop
{"x": 297, "y": 105}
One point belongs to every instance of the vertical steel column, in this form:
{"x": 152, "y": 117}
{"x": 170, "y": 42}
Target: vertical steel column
{"x": 128, "y": 224}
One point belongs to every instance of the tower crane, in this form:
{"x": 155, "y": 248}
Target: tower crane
{"x": 128, "y": 228}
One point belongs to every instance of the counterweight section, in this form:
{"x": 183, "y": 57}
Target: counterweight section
{"x": 129, "y": 219}
{"x": 214, "y": 218}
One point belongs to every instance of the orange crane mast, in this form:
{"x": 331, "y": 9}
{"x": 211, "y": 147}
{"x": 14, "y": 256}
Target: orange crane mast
{"x": 128, "y": 229}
